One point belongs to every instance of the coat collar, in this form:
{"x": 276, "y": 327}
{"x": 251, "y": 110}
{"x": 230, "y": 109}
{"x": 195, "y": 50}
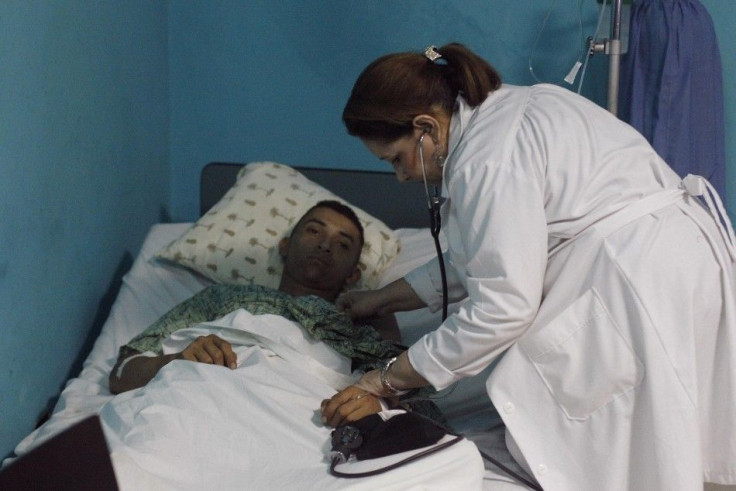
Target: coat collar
{"x": 458, "y": 124}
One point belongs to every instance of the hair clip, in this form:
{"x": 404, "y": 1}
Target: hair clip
{"x": 431, "y": 53}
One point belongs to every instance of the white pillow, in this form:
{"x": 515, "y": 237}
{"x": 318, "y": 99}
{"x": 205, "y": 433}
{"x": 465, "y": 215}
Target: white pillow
{"x": 237, "y": 240}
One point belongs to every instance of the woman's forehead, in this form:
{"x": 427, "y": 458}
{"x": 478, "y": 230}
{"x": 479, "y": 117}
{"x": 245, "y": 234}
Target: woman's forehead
{"x": 386, "y": 150}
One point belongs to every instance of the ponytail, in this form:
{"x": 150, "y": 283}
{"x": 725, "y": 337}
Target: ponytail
{"x": 395, "y": 88}
{"x": 469, "y": 74}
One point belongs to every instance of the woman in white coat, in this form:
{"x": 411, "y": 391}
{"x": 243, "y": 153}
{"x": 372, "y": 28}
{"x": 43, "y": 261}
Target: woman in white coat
{"x": 576, "y": 253}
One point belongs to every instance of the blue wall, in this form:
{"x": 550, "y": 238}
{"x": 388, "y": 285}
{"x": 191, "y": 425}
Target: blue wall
{"x": 723, "y": 13}
{"x": 108, "y": 110}
{"x": 84, "y": 166}
{"x": 267, "y": 80}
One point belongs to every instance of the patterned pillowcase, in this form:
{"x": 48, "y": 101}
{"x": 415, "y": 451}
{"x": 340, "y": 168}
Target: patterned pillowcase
{"x": 236, "y": 242}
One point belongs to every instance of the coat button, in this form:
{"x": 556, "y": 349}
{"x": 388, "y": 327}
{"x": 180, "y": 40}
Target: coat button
{"x": 542, "y": 469}
{"x": 509, "y": 407}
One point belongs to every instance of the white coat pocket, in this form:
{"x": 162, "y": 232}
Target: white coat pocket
{"x": 583, "y": 358}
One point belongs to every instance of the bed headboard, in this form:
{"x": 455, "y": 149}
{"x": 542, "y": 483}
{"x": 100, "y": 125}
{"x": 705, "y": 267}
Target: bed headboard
{"x": 378, "y": 193}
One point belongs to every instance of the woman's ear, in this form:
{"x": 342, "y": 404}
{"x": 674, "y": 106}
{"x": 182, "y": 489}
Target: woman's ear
{"x": 426, "y": 123}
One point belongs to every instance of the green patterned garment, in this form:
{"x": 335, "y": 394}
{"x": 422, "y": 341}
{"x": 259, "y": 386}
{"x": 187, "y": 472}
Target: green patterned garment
{"x": 316, "y": 315}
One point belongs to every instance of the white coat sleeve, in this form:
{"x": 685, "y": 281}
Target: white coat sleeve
{"x": 500, "y": 232}
{"x": 426, "y": 281}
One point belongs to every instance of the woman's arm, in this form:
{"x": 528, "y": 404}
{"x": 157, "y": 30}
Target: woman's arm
{"x": 343, "y": 406}
{"x": 400, "y": 376}
{"x": 386, "y": 326}
{"x": 394, "y": 297}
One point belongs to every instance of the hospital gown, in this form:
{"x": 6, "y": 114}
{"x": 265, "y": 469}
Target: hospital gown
{"x": 320, "y": 318}
{"x": 317, "y": 316}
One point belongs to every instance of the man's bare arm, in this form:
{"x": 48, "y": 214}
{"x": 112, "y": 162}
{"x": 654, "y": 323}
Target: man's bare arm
{"x": 137, "y": 372}
{"x": 140, "y": 370}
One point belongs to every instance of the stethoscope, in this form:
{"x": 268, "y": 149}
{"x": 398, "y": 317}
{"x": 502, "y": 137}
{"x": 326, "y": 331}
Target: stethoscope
{"x": 435, "y": 222}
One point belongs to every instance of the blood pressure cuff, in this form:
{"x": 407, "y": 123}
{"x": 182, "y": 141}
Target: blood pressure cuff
{"x": 373, "y": 437}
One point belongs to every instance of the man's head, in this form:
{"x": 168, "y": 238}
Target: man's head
{"x": 321, "y": 254}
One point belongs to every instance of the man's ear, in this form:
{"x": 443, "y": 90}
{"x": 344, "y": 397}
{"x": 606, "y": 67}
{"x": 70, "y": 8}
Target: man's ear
{"x": 284, "y": 247}
{"x": 353, "y": 278}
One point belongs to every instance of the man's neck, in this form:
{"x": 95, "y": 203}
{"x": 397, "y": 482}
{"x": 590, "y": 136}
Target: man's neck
{"x": 297, "y": 290}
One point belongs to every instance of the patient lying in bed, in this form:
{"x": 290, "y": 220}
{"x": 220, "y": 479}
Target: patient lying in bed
{"x": 320, "y": 260}
{"x": 200, "y": 425}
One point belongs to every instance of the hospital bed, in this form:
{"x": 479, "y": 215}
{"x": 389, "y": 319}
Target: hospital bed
{"x": 256, "y": 427}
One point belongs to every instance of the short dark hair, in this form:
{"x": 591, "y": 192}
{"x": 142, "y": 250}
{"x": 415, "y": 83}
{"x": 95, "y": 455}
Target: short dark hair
{"x": 343, "y": 210}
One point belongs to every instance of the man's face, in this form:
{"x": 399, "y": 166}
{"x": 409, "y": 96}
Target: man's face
{"x": 323, "y": 251}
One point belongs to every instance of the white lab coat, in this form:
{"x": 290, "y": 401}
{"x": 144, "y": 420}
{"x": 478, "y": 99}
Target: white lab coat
{"x": 578, "y": 254}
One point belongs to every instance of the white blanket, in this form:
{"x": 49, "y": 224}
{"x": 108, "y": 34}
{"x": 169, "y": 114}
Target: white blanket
{"x": 198, "y": 426}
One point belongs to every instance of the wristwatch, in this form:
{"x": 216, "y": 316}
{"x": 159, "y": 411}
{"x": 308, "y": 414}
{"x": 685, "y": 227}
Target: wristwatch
{"x": 393, "y": 391}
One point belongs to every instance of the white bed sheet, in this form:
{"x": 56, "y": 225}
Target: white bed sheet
{"x": 151, "y": 288}
{"x": 255, "y": 427}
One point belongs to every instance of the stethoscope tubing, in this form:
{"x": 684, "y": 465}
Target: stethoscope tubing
{"x": 435, "y": 224}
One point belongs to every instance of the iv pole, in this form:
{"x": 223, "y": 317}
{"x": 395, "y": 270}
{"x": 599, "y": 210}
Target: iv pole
{"x": 611, "y": 47}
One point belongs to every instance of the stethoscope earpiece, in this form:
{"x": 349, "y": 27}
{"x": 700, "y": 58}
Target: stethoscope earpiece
{"x": 435, "y": 222}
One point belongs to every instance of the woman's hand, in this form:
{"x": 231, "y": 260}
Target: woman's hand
{"x": 349, "y": 405}
{"x": 360, "y": 304}
{"x": 346, "y": 406}
{"x": 401, "y": 376}
{"x": 371, "y": 382}
{"x": 394, "y": 297}
{"x": 212, "y": 350}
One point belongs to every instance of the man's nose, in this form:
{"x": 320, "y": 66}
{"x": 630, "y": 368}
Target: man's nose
{"x": 325, "y": 245}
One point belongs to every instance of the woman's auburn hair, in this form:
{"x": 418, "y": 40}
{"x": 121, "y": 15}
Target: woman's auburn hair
{"x": 395, "y": 88}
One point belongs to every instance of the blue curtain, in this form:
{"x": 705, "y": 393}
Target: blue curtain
{"x": 671, "y": 86}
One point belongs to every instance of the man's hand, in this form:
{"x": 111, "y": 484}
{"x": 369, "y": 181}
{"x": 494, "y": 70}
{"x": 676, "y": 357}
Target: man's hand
{"x": 212, "y": 350}
{"x": 140, "y": 370}
{"x": 349, "y": 405}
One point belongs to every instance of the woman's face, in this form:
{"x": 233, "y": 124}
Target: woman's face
{"x": 403, "y": 155}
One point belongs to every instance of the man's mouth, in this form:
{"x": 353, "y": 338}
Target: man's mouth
{"x": 318, "y": 261}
